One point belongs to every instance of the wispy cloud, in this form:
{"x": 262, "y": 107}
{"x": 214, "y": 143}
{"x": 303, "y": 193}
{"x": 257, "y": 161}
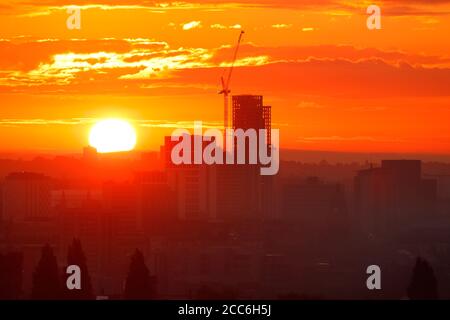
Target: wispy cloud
{"x": 221, "y": 26}
{"x": 144, "y": 123}
{"x": 167, "y": 124}
{"x": 309, "y": 105}
{"x": 348, "y": 139}
{"x": 281, "y": 26}
{"x": 134, "y": 65}
{"x": 192, "y": 25}
{"x": 44, "y": 122}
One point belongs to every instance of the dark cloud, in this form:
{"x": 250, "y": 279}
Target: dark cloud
{"x": 324, "y": 70}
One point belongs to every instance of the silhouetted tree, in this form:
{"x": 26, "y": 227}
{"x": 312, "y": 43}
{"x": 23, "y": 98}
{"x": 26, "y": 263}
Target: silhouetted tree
{"x": 423, "y": 284}
{"x": 139, "y": 285}
{"x": 75, "y": 256}
{"x": 46, "y": 278}
{"x": 11, "y": 265}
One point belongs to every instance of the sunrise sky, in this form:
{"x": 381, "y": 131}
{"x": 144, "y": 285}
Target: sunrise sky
{"x": 332, "y": 83}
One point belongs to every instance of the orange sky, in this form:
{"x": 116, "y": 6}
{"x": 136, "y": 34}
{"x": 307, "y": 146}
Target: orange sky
{"x": 333, "y": 84}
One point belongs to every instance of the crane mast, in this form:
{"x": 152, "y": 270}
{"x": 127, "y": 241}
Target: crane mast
{"x": 226, "y": 85}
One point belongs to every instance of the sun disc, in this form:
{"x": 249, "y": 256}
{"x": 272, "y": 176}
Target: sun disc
{"x": 112, "y": 135}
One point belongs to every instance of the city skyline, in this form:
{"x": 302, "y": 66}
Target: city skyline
{"x": 222, "y": 231}
{"x": 322, "y": 173}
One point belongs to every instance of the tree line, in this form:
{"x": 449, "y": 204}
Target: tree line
{"x": 49, "y": 282}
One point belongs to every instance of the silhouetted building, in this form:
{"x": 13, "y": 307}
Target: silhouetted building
{"x": 250, "y": 113}
{"x": 28, "y": 220}
{"x": 157, "y": 206}
{"x": 216, "y": 192}
{"x": 81, "y": 215}
{"x": 393, "y": 196}
{"x": 238, "y": 195}
{"x": 123, "y": 229}
{"x": 314, "y": 204}
{"x": 184, "y": 266}
{"x": 74, "y": 198}
{"x": 193, "y": 184}
{"x": 26, "y": 196}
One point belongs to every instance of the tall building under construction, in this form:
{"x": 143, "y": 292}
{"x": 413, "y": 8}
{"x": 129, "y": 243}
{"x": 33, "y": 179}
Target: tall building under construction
{"x": 249, "y": 112}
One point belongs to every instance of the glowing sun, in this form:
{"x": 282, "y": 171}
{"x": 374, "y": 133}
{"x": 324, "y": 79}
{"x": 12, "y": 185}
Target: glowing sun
{"x": 112, "y": 135}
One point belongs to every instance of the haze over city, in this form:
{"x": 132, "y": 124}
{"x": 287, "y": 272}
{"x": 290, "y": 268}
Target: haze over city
{"x": 334, "y": 129}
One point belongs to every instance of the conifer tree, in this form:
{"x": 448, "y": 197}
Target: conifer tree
{"x": 46, "y": 277}
{"x": 75, "y": 256}
{"x": 11, "y": 266}
{"x": 423, "y": 285}
{"x": 139, "y": 285}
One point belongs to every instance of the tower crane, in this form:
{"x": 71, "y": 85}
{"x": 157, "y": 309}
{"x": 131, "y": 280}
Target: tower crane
{"x": 226, "y": 84}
